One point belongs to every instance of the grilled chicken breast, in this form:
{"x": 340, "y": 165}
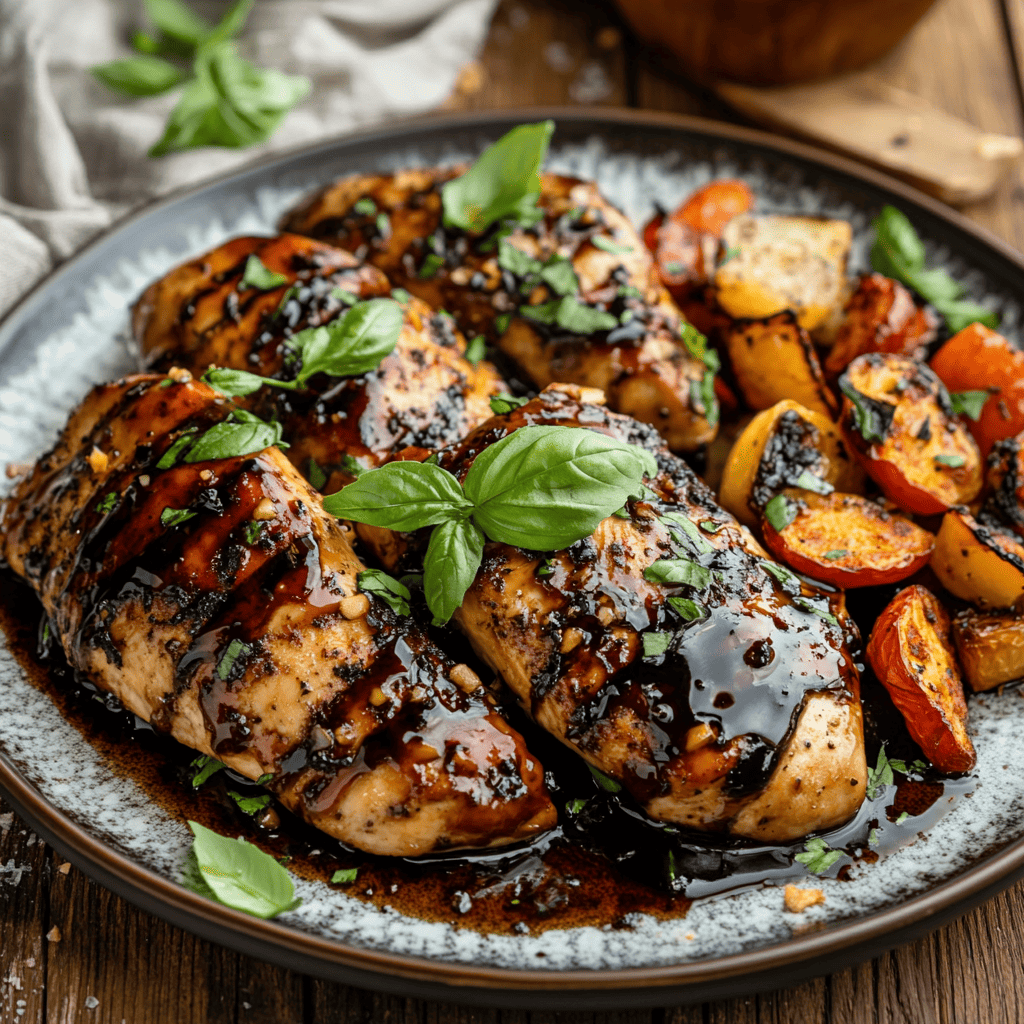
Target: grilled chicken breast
{"x": 217, "y": 600}
{"x": 394, "y": 222}
{"x": 738, "y": 712}
{"x": 202, "y": 314}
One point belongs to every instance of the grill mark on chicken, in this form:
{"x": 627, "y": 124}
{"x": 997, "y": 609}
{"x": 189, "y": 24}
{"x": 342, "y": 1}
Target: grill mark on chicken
{"x": 642, "y": 365}
{"x": 388, "y": 754}
{"x": 424, "y": 393}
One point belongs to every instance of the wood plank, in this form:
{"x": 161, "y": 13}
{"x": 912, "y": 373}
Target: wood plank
{"x": 546, "y": 52}
{"x": 25, "y": 870}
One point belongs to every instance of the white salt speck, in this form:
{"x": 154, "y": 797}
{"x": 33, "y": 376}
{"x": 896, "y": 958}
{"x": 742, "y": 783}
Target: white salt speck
{"x": 592, "y": 84}
{"x": 558, "y": 58}
{"x": 91, "y": 1002}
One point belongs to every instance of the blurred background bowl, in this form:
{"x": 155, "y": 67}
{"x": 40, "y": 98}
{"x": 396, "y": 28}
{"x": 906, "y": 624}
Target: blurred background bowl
{"x": 771, "y": 42}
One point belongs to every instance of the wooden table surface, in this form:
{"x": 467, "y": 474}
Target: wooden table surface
{"x": 71, "y": 951}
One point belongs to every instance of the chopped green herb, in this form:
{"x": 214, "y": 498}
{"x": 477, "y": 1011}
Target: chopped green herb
{"x": 501, "y": 404}
{"x": 608, "y": 784}
{"x": 577, "y": 805}
{"x": 253, "y": 529}
{"x": 517, "y": 262}
{"x": 250, "y": 804}
{"x": 108, "y": 503}
{"x": 600, "y": 242}
{"x": 236, "y": 649}
{"x": 264, "y": 779}
{"x": 809, "y": 606}
{"x": 902, "y": 818}
{"x": 696, "y": 540}
{"x": 780, "y": 572}
{"x": 365, "y": 207}
{"x": 258, "y": 276}
{"x": 237, "y": 874}
{"x": 545, "y": 568}
{"x": 836, "y": 553}
{"x": 383, "y": 225}
{"x": 674, "y": 268}
{"x": 686, "y": 609}
{"x": 780, "y": 512}
{"x": 476, "y": 349}
{"x": 872, "y": 419}
{"x": 656, "y": 644}
{"x": 394, "y": 594}
{"x": 501, "y": 322}
{"x": 400, "y": 295}
{"x": 204, "y": 766}
{"x": 175, "y": 516}
{"x": 432, "y": 263}
{"x": 571, "y": 315}
{"x": 873, "y": 837}
{"x": 558, "y": 274}
{"x": 968, "y": 403}
{"x": 953, "y": 461}
{"x": 679, "y": 570}
{"x": 809, "y": 482}
{"x": 818, "y": 857}
{"x": 344, "y": 876}
{"x": 290, "y": 294}
{"x": 344, "y": 296}
{"x": 351, "y": 465}
{"x": 880, "y": 776}
{"x": 710, "y": 526}
{"x": 315, "y": 474}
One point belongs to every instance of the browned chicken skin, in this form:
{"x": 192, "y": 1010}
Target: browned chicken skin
{"x": 424, "y": 393}
{"x": 750, "y": 723}
{"x": 240, "y": 630}
{"x": 641, "y": 364}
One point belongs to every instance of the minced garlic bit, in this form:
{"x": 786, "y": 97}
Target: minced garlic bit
{"x": 465, "y": 678}
{"x": 179, "y": 375}
{"x": 265, "y": 510}
{"x": 798, "y": 900}
{"x": 97, "y": 460}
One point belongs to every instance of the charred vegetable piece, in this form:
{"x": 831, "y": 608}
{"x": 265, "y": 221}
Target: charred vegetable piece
{"x": 979, "y": 359}
{"x": 897, "y": 418}
{"x": 991, "y": 647}
{"x": 912, "y": 656}
{"x": 847, "y": 540}
{"x": 979, "y": 560}
{"x": 775, "y": 263}
{"x": 774, "y": 359}
{"x": 777, "y": 446}
{"x": 880, "y": 316}
{"x": 1005, "y": 481}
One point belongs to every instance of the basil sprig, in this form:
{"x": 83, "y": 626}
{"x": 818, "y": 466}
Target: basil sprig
{"x": 227, "y": 101}
{"x": 541, "y": 488}
{"x": 237, "y": 874}
{"x": 898, "y": 252}
{"x": 241, "y": 433}
{"x": 503, "y": 182}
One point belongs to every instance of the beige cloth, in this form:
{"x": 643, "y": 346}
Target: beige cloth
{"x": 73, "y": 153}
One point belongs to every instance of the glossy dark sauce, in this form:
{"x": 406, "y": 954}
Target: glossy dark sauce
{"x": 605, "y": 862}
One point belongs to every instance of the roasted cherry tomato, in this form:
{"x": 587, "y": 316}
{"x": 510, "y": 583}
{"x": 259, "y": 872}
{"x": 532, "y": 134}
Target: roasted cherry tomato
{"x": 991, "y": 647}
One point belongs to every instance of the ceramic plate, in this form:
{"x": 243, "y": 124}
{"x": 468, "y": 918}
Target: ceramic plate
{"x": 72, "y": 332}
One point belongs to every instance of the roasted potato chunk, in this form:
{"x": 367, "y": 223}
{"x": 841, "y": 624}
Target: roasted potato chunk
{"x": 845, "y": 539}
{"x": 991, "y": 647}
{"x": 774, "y": 359}
{"x": 897, "y": 418}
{"x": 774, "y": 263}
{"x": 777, "y": 446}
{"x": 978, "y": 359}
{"x": 910, "y": 652}
{"x": 979, "y": 560}
{"x": 880, "y": 316}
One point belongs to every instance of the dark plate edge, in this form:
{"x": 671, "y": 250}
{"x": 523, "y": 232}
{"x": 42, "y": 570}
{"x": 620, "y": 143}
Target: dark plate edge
{"x": 834, "y": 948}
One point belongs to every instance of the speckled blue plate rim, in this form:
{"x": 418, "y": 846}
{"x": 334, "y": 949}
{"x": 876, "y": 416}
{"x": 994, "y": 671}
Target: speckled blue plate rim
{"x": 57, "y": 298}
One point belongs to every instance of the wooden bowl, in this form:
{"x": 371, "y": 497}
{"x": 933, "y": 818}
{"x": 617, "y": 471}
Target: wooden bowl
{"x": 771, "y": 42}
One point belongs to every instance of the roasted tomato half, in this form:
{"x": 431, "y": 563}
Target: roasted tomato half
{"x": 978, "y": 359}
{"x": 898, "y": 419}
{"x": 979, "y": 560}
{"x": 844, "y": 539}
{"x": 910, "y": 653}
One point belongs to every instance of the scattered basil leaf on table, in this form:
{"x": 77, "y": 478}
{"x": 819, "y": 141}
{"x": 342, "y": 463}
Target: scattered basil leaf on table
{"x": 899, "y": 253}
{"x": 237, "y": 874}
{"x": 257, "y": 275}
{"x": 504, "y": 181}
{"x": 394, "y": 594}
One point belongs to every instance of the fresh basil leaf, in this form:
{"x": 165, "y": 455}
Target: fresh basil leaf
{"x": 432, "y": 263}
{"x": 250, "y": 804}
{"x": 401, "y": 295}
{"x": 501, "y": 322}
{"x": 880, "y": 776}
{"x": 606, "y": 782}
{"x": 476, "y": 349}
{"x": 501, "y": 404}
{"x": 679, "y": 570}
{"x": 818, "y": 856}
{"x": 686, "y": 609}
{"x": 401, "y": 496}
{"x": 352, "y": 466}
{"x": 809, "y": 482}
{"x": 350, "y": 345}
{"x": 836, "y": 553}
{"x": 781, "y": 573}
{"x": 703, "y": 398}
{"x": 576, "y": 805}
{"x": 394, "y": 594}
{"x": 696, "y": 539}
{"x": 953, "y": 461}
{"x": 872, "y": 419}
{"x": 108, "y": 503}
{"x": 205, "y": 767}
{"x": 450, "y": 565}
{"x": 264, "y": 779}
{"x": 344, "y": 876}
{"x": 237, "y": 383}
{"x": 175, "y": 516}
{"x": 503, "y": 182}
{"x": 176, "y": 20}
{"x": 558, "y": 274}
{"x": 961, "y": 314}
{"x": 232, "y": 438}
{"x": 260, "y": 277}
{"x": 968, "y": 403}
{"x": 571, "y": 315}
{"x": 600, "y": 242}
{"x": 809, "y": 606}
{"x": 253, "y": 529}
{"x": 139, "y": 76}
{"x": 236, "y": 649}
{"x": 780, "y": 512}
{"x": 656, "y": 644}
{"x": 544, "y": 487}
{"x": 240, "y": 875}
{"x": 710, "y": 526}
{"x": 515, "y": 261}
{"x": 315, "y": 474}
{"x": 897, "y": 237}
